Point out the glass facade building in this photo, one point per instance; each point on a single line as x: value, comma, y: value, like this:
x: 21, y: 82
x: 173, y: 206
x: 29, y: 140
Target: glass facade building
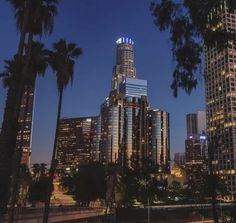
x: 123, y: 136
x: 196, y: 123
x: 159, y: 138
x: 133, y: 88
x: 110, y: 134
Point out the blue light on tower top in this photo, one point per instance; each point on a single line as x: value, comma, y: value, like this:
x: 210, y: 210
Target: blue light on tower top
x: 125, y: 40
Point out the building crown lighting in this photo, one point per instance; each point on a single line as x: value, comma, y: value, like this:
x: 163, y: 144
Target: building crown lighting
x: 125, y: 40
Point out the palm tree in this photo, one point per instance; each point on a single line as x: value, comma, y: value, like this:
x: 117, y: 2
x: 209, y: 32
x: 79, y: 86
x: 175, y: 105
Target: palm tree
x: 62, y: 60
x: 39, y: 170
x: 33, y: 17
x: 36, y: 171
x: 36, y: 67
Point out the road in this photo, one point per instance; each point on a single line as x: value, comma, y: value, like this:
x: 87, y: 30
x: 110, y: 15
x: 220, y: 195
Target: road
x: 59, y: 214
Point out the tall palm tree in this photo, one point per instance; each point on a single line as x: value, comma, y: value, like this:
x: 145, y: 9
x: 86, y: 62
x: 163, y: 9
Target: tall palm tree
x: 62, y: 60
x: 36, y: 67
x: 33, y: 17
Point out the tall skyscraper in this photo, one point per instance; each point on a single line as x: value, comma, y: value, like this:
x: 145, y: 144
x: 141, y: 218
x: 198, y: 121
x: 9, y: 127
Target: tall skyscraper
x: 124, y: 62
x: 123, y: 131
x: 196, y: 123
x: 220, y: 83
x: 196, y: 142
x: 76, y: 142
x: 24, y: 137
x: 109, y: 145
x: 123, y: 137
x: 196, y: 150
x: 133, y: 93
x: 159, y: 138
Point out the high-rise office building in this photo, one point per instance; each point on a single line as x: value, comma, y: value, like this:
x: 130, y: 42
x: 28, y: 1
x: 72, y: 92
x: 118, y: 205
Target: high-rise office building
x: 196, y: 142
x: 123, y: 135
x: 220, y: 83
x: 196, y: 123
x: 109, y: 145
x: 76, y: 142
x: 196, y: 150
x: 123, y: 130
x: 133, y: 93
x: 124, y: 62
x: 24, y: 137
x: 159, y: 138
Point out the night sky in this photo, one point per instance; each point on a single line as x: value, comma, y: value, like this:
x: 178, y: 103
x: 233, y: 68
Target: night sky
x: 95, y: 25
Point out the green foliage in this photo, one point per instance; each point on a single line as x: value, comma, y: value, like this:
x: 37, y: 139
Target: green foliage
x: 38, y: 186
x: 12, y: 68
x: 40, y: 12
x: 39, y: 170
x: 88, y: 184
x: 38, y: 190
x: 140, y: 184
x: 62, y: 60
x: 192, y: 23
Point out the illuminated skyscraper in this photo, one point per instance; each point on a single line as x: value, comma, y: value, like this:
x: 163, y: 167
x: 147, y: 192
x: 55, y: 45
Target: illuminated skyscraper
x: 76, y: 142
x: 123, y: 135
x: 220, y: 83
x: 134, y: 97
x: 159, y: 138
x: 196, y: 142
x: 123, y: 115
x: 124, y: 62
x: 110, y: 133
x: 24, y: 137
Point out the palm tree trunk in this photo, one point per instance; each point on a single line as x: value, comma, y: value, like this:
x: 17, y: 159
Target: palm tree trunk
x: 20, y: 50
x: 18, y: 152
x: 9, y: 126
x: 18, y: 161
x: 53, y: 163
x: 8, y: 142
x: 9, y: 131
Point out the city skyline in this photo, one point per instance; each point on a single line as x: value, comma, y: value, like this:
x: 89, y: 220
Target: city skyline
x: 155, y: 48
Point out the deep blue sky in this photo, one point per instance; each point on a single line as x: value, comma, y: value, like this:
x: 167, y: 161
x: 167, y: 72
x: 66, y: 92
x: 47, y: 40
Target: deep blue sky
x: 95, y: 26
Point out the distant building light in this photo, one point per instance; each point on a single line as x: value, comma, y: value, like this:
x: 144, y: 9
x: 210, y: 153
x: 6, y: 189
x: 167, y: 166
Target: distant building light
x: 190, y: 137
x: 202, y: 137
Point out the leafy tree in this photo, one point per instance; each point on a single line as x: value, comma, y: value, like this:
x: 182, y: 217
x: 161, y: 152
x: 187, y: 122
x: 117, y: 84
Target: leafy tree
x: 39, y: 170
x: 62, y: 61
x: 140, y: 184
x: 38, y: 185
x: 191, y: 24
x: 38, y: 190
x: 88, y: 184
